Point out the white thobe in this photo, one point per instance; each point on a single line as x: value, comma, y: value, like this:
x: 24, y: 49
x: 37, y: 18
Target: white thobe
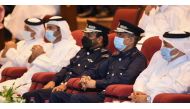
x: 164, y: 77
x: 59, y: 56
x: 19, y: 57
x: 164, y: 19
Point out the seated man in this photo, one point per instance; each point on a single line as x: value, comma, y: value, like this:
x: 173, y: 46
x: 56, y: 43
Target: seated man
x: 168, y: 71
x: 17, y: 54
x: 58, y: 54
x: 94, y: 42
x: 122, y: 68
x: 156, y: 20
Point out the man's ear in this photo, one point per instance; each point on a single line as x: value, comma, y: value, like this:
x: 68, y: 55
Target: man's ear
x: 132, y: 40
x: 100, y: 39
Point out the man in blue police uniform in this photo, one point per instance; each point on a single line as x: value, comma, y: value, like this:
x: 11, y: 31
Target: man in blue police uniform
x: 122, y: 68
x: 94, y: 42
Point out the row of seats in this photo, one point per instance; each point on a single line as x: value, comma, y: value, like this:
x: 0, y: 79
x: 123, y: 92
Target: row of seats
x: 119, y: 92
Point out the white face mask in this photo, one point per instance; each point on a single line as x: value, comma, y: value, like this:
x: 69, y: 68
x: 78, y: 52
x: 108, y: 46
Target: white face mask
x: 26, y: 35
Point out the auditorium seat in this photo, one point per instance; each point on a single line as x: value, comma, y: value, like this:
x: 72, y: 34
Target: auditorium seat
x: 40, y: 79
x: 121, y: 92
x: 12, y: 73
x: 77, y: 35
x: 150, y: 46
x: 118, y: 92
x: 172, y: 98
x: 128, y: 14
x: 111, y: 46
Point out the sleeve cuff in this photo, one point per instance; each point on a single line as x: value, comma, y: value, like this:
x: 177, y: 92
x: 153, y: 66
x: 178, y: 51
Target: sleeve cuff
x: 100, y: 84
x: 11, y: 53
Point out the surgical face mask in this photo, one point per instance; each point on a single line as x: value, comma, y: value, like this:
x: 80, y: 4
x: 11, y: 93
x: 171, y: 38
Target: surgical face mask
x: 26, y: 35
x: 118, y: 43
x: 166, y: 53
x: 87, y: 43
x: 49, y: 36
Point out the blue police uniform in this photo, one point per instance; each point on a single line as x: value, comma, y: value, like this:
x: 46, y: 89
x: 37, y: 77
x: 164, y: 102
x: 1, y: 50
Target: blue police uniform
x: 120, y: 69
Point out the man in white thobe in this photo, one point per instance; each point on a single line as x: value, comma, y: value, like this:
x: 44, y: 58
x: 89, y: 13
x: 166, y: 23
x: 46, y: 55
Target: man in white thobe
x: 156, y: 20
x: 168, y: 71
x: 17, y: 54
x: 15, y: 21
x: 62, y: 50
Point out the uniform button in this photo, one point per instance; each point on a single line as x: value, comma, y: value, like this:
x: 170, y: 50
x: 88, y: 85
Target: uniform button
x: 70, y: 73
x: 120, y: 59
x: 78, y: 64
x: 113, y: 74
x: 85, y: 66
x: 108, y: 73
x: 121, y: 73
x: 88, y: 53
x: 78, y: 56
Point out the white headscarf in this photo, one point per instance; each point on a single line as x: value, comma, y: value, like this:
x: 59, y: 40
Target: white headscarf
x: 182, y: 44
x: 39, y: 29
x: 64, y: 27
x: 16, y: 21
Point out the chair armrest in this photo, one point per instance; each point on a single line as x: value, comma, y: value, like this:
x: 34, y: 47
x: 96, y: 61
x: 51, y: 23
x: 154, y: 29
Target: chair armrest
x: 118, y: 92
x: 40, y: 79
x: 12, y: 73
x: 172, y: 98
x: 43, y: 77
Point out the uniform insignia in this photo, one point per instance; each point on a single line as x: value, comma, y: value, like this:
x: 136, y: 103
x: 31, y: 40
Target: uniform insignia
x: 105, y: 56
x: 96, y: 49
x: 103, y: 50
